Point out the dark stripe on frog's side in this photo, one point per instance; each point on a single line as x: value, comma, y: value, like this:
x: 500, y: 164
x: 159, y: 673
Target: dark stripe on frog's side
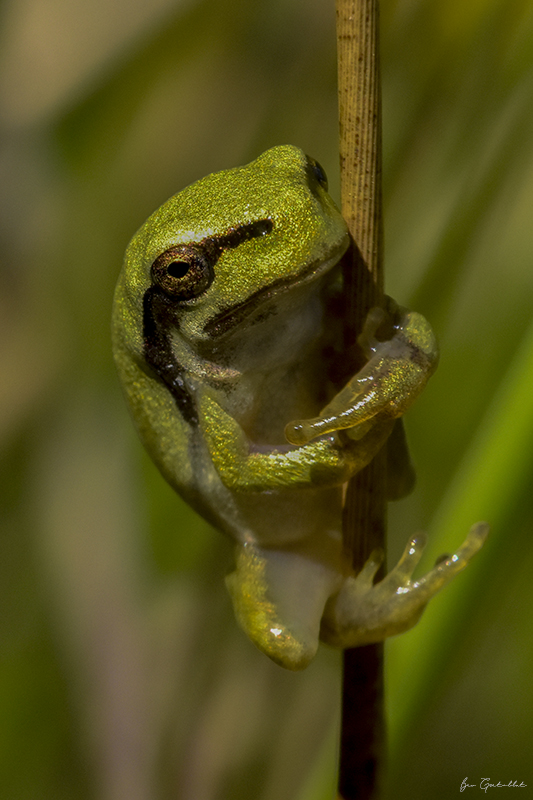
x: 159, y: 318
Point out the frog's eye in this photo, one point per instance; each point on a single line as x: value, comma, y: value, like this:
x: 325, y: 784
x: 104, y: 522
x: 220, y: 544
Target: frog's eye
x: 183, y: 272
x: 318, y: 172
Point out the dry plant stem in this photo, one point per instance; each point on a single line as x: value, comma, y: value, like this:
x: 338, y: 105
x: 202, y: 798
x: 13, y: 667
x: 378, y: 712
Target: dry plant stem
x: 362, y: 727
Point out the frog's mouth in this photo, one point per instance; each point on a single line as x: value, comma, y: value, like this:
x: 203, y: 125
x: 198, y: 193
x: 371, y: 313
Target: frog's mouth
x: 229, y: 318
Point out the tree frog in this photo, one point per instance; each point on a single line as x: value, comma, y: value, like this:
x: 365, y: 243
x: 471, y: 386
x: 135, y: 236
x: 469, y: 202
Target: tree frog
x: 223, y: 311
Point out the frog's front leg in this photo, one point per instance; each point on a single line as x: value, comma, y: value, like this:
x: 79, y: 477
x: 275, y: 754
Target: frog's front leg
x: 387, y: 385
x: 363, y: 612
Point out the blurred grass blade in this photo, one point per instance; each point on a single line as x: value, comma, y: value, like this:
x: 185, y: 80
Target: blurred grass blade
x: 493, y: 474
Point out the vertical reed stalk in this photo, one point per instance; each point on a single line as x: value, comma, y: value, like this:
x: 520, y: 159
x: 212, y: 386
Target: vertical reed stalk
x: 362, y: 727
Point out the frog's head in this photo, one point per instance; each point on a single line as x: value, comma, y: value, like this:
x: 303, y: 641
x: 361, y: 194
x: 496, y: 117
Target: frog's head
x: 217, y: 251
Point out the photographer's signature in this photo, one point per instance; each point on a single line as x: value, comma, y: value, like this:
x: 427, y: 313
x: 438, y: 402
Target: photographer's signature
x: 485, y: 784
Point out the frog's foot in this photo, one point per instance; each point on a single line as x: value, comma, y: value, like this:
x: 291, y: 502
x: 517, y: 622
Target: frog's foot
x: 279, y: 598
x: 363, y: 612
x: 397, y: 371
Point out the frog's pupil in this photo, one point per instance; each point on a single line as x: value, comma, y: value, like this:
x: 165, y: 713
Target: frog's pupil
x: 178, y: 269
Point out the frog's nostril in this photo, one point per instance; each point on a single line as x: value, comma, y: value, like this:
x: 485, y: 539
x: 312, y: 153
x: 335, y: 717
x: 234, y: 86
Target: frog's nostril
x: 316, y: 174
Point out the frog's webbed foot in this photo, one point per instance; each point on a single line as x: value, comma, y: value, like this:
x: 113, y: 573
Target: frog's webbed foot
x: 363, y: 612
x: 395, y: 374
x: 279, y: 598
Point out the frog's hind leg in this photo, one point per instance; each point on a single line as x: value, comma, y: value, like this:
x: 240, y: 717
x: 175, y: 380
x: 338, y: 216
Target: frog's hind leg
x: 279, y: 598
x: 363, y: 612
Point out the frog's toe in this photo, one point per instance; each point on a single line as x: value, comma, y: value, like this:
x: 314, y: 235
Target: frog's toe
x: 362, y: 613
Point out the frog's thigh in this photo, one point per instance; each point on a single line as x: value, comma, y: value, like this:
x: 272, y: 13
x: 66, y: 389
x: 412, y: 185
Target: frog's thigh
x: 279, y: 598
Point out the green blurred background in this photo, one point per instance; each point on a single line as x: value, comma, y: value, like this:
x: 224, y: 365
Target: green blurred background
x: 122, y: 673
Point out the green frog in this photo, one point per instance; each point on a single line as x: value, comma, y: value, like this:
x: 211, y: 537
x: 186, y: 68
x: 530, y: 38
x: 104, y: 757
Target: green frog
x: 222, y: 315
